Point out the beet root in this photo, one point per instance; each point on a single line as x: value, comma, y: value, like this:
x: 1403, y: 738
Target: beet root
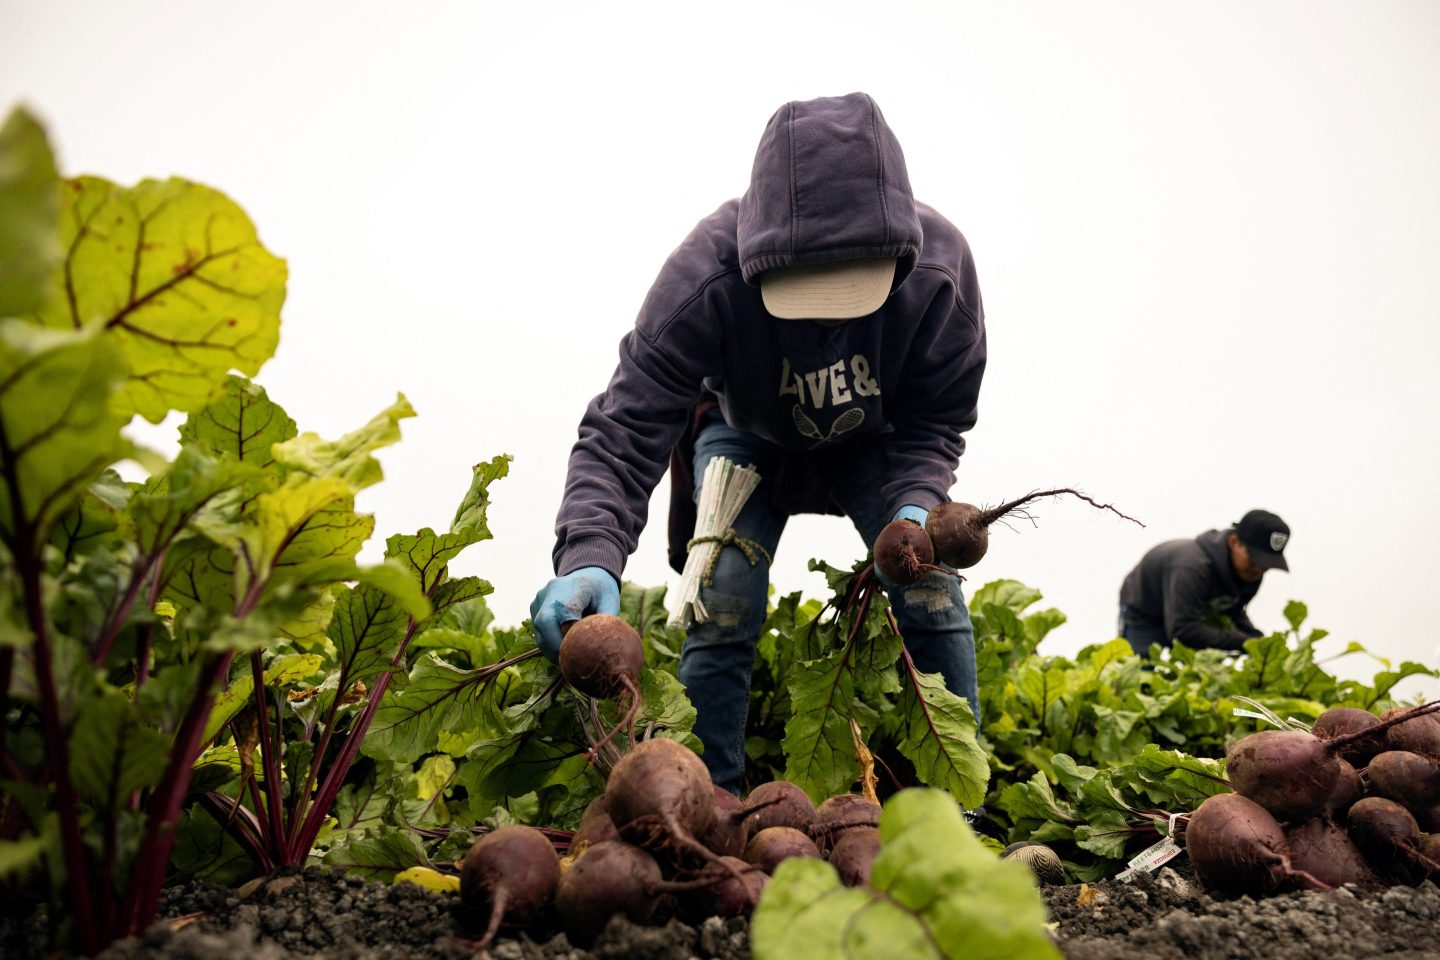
x: 1344, y: 721
x: 602, y: 656
x: 1237, y: 846
x: 1325, y: 851
x: 508, y: 878
x: 774, y: 845
x: 1389, y: 837
x: 730, y: 887
x: 786, y: 806
x: 1348, y: 788
x: 1290, y: 773
x: 726, y: 833
x: 609, y: 878
x: 842, y: 812
x: 1411, y: 780
x: 854, y: 854
x: 903, y: 553
x: 1417, y: 735
x: 660, y: 798
x: 961, y: 531
x: 960, y: 539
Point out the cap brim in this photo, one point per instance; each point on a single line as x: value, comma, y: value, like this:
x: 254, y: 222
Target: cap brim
x: 1268, y: 561
x: 828, y: 291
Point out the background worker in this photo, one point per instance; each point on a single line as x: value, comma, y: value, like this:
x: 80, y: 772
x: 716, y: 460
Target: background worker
x: 1195, y: 591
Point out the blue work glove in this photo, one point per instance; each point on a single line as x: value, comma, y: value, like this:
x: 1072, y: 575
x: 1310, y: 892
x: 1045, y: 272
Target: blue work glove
x: 911, y: 512
x: 580, y: 592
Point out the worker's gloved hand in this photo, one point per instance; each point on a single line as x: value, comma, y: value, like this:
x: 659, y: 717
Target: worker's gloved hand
x: 578, y: 593
x: 911, y: 512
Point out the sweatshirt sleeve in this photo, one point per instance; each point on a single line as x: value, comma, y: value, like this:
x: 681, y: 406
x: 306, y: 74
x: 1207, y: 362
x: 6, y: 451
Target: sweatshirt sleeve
x: 941, y: 389
x: 628, y: 431
x: 1185, y: 612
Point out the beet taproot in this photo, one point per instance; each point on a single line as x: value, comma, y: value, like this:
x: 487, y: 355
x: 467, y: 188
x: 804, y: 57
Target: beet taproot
x: 1344, y: 721
x: 960, y: 532
x: 778, y: 803
x: 1237, y: 846
x: 660, y: 798
x: 1389, y: 837
x: 842, y: 812
x: 1324, y: 849
x: 610, y: 878
x: 774, y: 845
x: 729, y: 887
x: 726, y: 834
x: 1349, y: 787
x: 602, y: 656
x: 1411, y: 780
x: 903, y: 552
x: 1417, y: 735
x: 508, y: 879
x: 854, y: 853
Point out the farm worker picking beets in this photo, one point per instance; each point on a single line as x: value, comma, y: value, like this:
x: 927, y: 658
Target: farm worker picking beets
x: 1196, y: 591
x: 826, y: 329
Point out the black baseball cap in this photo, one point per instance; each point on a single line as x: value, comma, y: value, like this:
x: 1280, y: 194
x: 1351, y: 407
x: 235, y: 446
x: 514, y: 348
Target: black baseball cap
x: 1265, y: 536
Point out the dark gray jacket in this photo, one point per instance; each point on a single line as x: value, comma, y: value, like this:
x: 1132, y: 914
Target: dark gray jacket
x: 1187, y: 585
x: 829, y: 183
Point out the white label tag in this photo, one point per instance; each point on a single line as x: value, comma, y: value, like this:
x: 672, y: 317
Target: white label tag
x: 1150, y: 859
x: 1241, y: 712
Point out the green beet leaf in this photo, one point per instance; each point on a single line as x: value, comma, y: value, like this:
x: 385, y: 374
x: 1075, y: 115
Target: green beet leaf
x: 935, y: 891
x: 173, y: 274
x: 939, y: 737
x: 377, y: 853
x: 114, y: 751
x: 30, y: 247
x: 59, y: 426
x: 242, y: 423
x: 348, y: 458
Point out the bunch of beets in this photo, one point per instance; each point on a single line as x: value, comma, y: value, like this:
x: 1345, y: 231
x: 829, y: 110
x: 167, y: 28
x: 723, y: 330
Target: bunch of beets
x: 662, y: 841
x: 1354, y: 800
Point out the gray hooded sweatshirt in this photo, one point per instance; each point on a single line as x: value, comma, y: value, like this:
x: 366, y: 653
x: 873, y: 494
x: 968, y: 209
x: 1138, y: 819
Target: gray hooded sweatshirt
x: 901, y: 384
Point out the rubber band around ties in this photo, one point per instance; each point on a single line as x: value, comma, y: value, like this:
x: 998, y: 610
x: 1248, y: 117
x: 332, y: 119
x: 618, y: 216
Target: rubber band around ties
x: 752, y: 550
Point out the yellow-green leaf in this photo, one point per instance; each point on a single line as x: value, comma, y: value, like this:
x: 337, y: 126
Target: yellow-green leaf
x: 29, y: 215
x: 173, y: 273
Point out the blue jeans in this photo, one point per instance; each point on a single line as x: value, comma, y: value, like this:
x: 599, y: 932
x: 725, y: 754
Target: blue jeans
x: 718, y: 658
x: 1141, y: 632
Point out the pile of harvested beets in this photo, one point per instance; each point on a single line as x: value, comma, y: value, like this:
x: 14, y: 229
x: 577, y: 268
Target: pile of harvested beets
x: 1355, y: 799
x: 662, y: 840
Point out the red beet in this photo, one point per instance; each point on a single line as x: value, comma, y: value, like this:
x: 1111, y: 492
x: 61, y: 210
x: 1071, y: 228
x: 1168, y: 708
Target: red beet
x: 1237, y: 846
x: 508, y: 878
x: 1326, y: 852
x: 1348, y: 788
x: 842, y: 812
x: 787, y: 806
x: 727, y: 888
x: 854, y: 854
x: 1418, y: 735
x: 1407, y: 778
x: 660, y: 798
x: 602, y: 656
x: 774, y: 845
x: 1344, y: 721
x: 609, y: 878
x: 903, y: 553
x: 1389, y: 837
x: 726, y: 833
x: 961, y: 531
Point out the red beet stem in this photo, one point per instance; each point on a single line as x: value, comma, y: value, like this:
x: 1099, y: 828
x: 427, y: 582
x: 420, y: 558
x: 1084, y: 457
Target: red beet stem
x: 987, y: 517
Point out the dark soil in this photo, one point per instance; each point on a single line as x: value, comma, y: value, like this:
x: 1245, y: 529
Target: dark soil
x: 319, y: 914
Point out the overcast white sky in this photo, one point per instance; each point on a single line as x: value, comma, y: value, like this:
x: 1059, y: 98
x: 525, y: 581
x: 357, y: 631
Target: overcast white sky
x: 1207, y: 238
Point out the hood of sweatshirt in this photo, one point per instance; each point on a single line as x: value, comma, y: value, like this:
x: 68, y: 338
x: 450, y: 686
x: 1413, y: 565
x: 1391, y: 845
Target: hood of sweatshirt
x: 828, y: 184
